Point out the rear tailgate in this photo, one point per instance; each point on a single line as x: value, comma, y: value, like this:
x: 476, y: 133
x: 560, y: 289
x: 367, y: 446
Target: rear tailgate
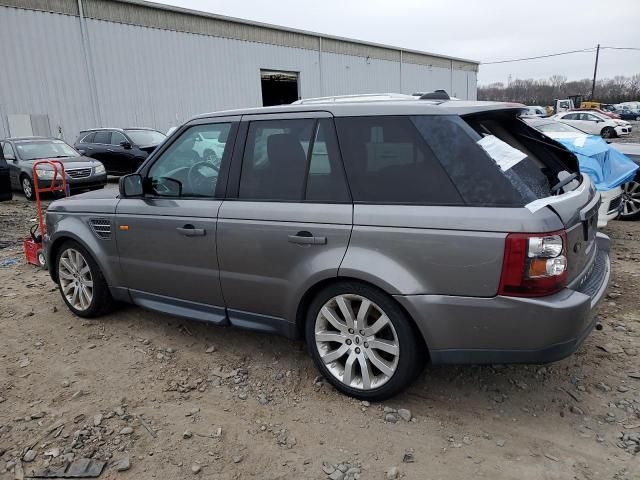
x: 536, y: 176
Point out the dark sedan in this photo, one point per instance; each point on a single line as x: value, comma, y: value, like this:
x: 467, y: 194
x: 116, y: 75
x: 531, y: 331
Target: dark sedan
x: 628, y: 114
x: 21, y: 153
x: 121, y: 150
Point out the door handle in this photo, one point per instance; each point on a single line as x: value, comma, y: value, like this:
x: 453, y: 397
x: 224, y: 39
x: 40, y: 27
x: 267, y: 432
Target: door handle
x: 110, y: 150
x: 190, y: 231
x: 307, y: 238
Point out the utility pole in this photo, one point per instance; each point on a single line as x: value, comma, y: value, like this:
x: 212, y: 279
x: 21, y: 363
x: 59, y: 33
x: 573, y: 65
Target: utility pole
x: 595, y: 72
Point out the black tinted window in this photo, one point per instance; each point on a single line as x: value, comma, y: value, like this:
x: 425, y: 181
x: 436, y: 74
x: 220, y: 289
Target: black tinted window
x: 387, y: 161
x: 102, y: 137
x: 477, y: 177
x: 87, y: 138
x: 117, y: 138
x: 292, y: 160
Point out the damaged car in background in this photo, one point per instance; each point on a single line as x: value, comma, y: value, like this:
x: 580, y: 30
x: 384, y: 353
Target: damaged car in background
x: 608, y: 168
x: 384, y: 233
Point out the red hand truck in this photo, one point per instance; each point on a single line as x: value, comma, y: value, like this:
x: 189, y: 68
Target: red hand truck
x: 32, y: 246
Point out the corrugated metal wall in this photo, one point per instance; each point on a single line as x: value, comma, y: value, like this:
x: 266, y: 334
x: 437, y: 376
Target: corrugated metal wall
x: 160, y: 77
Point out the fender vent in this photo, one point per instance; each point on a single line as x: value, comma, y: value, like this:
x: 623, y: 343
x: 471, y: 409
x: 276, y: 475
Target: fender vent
x: 101, y: 227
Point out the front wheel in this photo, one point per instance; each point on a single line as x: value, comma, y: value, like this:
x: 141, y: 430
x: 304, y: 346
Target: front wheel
x: 80, y: 281
x: 631, y: 200
x: 362, y: 341
x: 608, y: 132
x: 27, y: 187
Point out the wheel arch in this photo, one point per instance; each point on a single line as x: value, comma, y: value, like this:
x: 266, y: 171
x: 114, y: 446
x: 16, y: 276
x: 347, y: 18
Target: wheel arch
x: 317, y: 287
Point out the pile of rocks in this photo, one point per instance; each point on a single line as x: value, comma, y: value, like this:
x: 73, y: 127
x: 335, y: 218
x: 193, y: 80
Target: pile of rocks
x: 342, y: 471
x: 629, y: 441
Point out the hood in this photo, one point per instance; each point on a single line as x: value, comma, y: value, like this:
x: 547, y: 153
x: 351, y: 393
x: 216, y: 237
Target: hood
x: 68, y: 162
x: 148, y: 148
x: 98, y: 202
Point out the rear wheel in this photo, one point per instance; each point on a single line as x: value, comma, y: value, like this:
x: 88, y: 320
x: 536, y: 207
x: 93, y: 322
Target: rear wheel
x: 608, y: 132
x: 362, y: 341
x: 80, y: 281
x: 631, y: 200
x: 27, y: 187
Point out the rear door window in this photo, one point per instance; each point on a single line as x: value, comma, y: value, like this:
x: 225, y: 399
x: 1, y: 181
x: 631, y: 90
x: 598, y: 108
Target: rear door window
x: 102, y: 137
x: 88, y: 138
x: 292, y: 160
x: 388, y: 161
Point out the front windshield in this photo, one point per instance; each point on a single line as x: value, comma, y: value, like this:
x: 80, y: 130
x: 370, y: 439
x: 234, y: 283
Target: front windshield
x: 39, y: 149
x: 557, y: 127
x: 145, y: 137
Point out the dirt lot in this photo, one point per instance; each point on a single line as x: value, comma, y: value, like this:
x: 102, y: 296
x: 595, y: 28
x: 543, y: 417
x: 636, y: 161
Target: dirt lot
x: 218, y: 403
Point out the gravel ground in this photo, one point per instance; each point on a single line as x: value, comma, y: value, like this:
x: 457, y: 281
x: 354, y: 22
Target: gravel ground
x: 160, y: 397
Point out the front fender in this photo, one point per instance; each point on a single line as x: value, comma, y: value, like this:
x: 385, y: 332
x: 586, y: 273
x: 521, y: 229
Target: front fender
x: 76, y: 227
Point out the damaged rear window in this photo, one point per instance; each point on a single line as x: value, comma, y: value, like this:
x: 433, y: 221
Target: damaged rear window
x: 495, y: 159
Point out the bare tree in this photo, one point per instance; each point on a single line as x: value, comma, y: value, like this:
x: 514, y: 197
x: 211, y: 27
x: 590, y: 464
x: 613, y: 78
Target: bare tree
x: 544, y: 92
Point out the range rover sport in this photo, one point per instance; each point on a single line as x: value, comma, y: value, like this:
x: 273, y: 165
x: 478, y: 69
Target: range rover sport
x: 384, y: 233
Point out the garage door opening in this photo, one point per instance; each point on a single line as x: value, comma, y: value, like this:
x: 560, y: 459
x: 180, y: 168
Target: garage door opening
x: 278, y: 88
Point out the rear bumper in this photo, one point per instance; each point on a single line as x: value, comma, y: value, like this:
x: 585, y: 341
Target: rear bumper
x: 464, y: 330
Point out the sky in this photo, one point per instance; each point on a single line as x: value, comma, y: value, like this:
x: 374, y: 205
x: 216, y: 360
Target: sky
x: 487, y: 30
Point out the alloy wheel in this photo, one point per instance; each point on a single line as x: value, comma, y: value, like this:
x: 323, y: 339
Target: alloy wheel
x: 26, y: 187
x: 75, y: 278
x: 630, y: 198
x: 357, y: 341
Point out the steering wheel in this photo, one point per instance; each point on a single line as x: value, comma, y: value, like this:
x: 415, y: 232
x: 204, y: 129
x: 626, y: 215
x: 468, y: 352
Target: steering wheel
x: 563, y: 182
x: 196, y: 181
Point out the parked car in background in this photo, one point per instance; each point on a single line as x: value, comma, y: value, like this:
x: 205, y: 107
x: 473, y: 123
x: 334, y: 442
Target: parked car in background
x: 606, y: 113
x: 5, y: 180
x: 595, y: 123
x: 629, y: 114
x: 606, y: 166
x: 21, y: 153
x: 535, y: 111
x: 631, y: 189
x: 121, y: 150
x: 383, y: 232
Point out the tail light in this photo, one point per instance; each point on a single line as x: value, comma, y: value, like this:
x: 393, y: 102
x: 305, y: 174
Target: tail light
x: 534, y: 264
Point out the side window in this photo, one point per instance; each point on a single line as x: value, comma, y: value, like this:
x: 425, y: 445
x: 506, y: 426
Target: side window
x: 183, y: 171
x: 87, y: 138
x: 102, y: 137
x: 7, y: 150
x: 117, y: 138
x: 388, y: 161
x: 292, y: 160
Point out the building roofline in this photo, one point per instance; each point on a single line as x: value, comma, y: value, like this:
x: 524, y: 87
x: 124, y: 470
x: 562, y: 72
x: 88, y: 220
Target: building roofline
x: 199, y: 13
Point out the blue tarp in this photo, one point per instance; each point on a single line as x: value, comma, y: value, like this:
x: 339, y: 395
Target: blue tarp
x: 607, y: 167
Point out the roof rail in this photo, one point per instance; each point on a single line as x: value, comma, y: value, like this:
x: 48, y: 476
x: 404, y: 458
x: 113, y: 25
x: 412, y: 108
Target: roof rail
x: 364, y: 97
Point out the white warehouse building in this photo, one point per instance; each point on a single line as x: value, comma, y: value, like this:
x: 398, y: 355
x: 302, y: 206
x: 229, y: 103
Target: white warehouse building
x: 68, y: 65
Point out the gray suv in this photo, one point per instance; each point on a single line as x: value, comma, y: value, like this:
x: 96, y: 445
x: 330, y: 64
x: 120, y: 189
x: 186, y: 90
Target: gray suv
x: 384, y: 233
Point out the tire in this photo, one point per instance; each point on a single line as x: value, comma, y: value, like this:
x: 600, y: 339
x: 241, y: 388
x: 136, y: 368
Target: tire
x: 100, y: 301
x: 631, y: 200
x: 608, y: 132
x: 329, y: 336
x: 27, y: 187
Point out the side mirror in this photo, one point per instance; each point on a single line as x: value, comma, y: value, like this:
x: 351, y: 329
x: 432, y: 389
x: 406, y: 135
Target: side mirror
x: 10, y: 157
x: 126, y: 145
x: 131, y: 186
x: 81, y: 151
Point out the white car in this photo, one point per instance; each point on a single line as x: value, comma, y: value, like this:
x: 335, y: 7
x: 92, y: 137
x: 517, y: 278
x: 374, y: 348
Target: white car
x: 610, y: 200
x: 534, y: 111
x: 595, y: 123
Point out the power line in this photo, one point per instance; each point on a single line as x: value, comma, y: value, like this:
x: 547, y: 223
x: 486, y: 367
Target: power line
x: 585, y: 50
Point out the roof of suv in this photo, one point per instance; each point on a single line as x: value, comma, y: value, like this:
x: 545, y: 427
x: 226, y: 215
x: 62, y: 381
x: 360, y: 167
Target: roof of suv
x: 20, y: 139
x: 389, y: 106
x: 117, y: 128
